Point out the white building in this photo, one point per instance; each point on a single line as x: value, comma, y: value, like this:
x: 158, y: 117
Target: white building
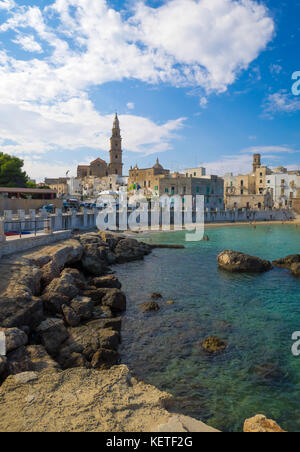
x: 74, y: 186
x: 284, y: 187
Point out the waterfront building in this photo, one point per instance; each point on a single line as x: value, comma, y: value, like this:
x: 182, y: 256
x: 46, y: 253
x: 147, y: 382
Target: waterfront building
x: 285, y: 186
x: 249, y: 190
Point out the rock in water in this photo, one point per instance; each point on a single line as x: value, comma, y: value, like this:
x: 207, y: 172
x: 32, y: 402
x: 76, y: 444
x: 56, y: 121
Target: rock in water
x: 150, y: 306
x: 260, y: 424
x: 233, y: 261
x: 213, y: 344
x: 156, y: 296
x: 295, y: 269
x: 288, y: 261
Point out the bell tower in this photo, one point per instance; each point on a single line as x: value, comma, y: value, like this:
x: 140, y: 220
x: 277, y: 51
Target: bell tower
x: 256, y: 162
x: 116, y: 165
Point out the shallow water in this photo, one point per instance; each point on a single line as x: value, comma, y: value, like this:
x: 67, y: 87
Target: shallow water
x: 255, y: 314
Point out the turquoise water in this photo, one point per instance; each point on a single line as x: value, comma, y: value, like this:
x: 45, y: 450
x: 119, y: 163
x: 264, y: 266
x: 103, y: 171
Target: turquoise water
x: 255, y: 314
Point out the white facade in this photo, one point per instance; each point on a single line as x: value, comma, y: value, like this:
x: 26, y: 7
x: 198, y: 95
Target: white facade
x: 284, y: 188
x: 74, y: 186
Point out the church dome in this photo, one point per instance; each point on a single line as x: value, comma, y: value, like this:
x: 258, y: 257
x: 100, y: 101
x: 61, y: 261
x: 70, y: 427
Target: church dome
x: 158, y: 165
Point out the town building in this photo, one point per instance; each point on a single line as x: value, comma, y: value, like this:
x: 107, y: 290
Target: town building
x: 157, y: 182
x: 195, y: 172
x: 285, y: 186
x: 249, y: 190
x: 99, y: 168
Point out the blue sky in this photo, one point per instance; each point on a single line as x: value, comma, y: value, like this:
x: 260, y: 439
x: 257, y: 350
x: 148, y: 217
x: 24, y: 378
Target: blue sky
x: 195, y: 82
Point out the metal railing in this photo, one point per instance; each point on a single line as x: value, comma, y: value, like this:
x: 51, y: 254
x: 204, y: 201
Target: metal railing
x: 23, y: 227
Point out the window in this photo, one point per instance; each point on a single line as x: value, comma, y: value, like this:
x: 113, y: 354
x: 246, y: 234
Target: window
x: 242, y: 183
x: 207, y: 190
x: 261, y: 174
x: 198, y: 190
x: 242, y: 192
x: 149, y: 183
x: 166, y: 190
x: 261, y: 181
x: 268, y: 182
x: 195, y: 174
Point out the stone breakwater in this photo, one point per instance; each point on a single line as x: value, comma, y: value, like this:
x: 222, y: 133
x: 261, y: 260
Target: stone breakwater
x: 61, y: 308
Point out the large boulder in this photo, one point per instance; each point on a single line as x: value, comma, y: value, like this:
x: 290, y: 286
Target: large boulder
x: 50, y: 271
x: 260, y: 424
x: 60, y: 291
x: 52, y: 333
x: 14, y: 338
x: 109, y: 281
x: 70, y: 316
x: 31, y: 358
x: 94, y: 260
x: 63, y: 254
x: 127, y: 250
x: 111, y: 239
x: 233, y: 261
x: 87, y: 340
x: 78, y: 277
x: 287, y: 261
x: 20, y: 310
x: 83, y: 307
x: 115, y: 299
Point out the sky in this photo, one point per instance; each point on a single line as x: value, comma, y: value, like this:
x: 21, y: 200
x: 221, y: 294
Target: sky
x: 195, y: 83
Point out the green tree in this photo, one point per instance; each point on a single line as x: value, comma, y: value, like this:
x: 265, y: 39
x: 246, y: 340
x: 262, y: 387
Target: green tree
x: 11, y: 173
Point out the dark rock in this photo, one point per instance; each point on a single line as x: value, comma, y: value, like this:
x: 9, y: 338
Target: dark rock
x: 128, y: 250
x: 114, y: 299
x: 102, y: 312
x: 233, y: 261
x: 83, y: 307
x: 104, y: 359
x: 31, y: 358
x: 22, y: 310
x: 78, y: 277
x: 287, y: 261
x: 76, y: 360
x: 50, y: 271
x: 94, y: 259
x: 213, y: 344
x: 87, y: 339
x: 156, y: 296
x: 95, y: 294
x: 70, y: 316
x: 109, y: 281
x: 59, y: 292
x: 3, y: 366
x: 111, y: 239
x: 295, y: 269
x: 114, y: 323
x: 52, y: 333
x: 14, y: 338
x: 150, y: 306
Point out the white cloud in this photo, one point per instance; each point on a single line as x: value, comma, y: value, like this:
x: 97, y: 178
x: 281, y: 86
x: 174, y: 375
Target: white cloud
x: 28, y: 43
x: 130, y: 105
x: 194, y: 43
x: 269, y: 149
x: 280, y: 102
x: 7, y: 4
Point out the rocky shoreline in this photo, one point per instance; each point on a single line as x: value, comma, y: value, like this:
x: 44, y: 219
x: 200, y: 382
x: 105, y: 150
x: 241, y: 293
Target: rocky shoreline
x: 60, y: 312
x: 63, y: 309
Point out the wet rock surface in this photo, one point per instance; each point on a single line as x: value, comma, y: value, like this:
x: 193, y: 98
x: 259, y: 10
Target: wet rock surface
x: 150, y: 306
x: 260, y: 424
x: 233, y: 261
x: 213, y: 344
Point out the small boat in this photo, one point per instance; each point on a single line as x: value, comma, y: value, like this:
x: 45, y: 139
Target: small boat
x: 13, y: 233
